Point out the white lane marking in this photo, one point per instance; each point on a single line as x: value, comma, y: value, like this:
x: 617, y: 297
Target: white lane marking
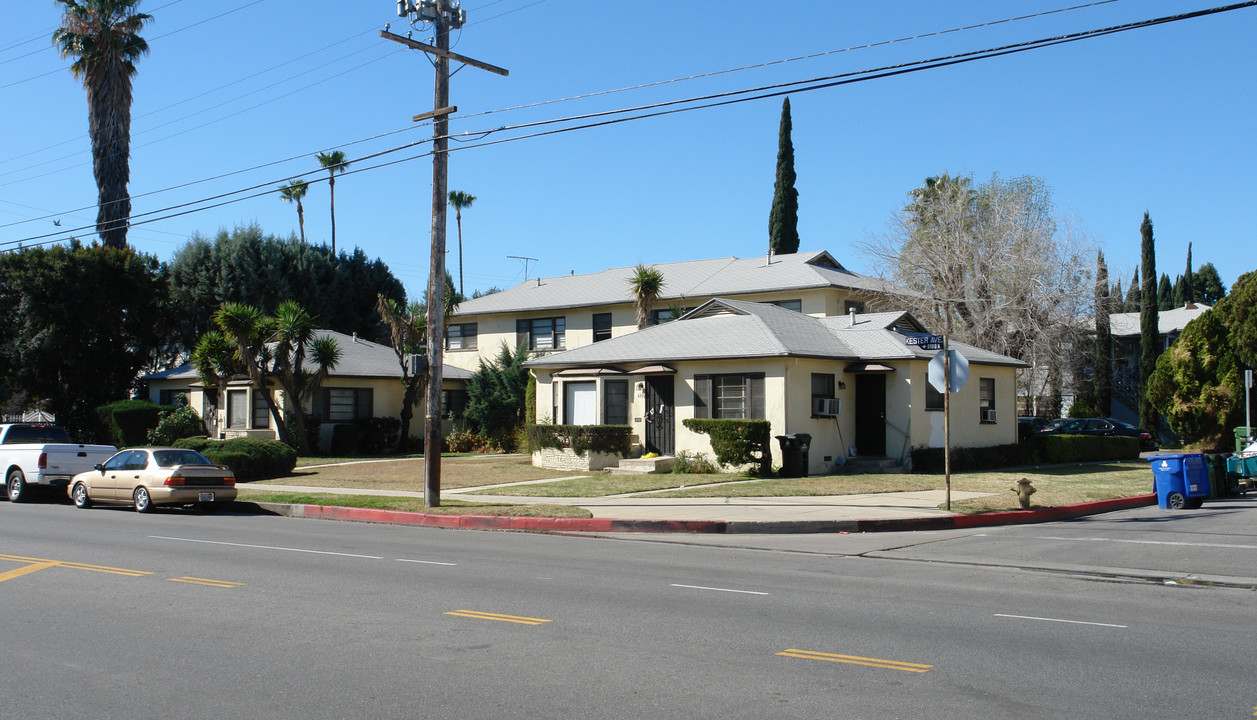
x: 701, y: 587
x: 426, y: 562
x: 267, y: 547
x: 1155, y: 542
x: 1058, y: 620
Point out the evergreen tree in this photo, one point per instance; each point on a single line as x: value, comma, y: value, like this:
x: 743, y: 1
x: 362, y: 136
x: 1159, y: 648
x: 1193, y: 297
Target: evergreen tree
x: 783, y: 219
x: 1149, y: 334
x: 496, y: 397
x: 1209, y: 287
x: 1103, y: 376
x: 1133, y: 294
x: 1165, y: 293
x: 1190, y: 295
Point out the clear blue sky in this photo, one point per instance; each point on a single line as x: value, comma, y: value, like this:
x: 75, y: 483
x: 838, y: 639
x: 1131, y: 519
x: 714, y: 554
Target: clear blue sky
x: 1157, y: 119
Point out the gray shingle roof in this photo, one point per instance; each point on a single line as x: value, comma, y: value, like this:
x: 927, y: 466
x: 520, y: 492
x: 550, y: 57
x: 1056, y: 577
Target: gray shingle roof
x: 720, y: 277
x: 729, y: 329
x: 1168, y: 321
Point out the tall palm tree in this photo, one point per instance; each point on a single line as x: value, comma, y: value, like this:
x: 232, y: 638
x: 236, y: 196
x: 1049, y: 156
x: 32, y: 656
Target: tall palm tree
x: 293, y: 192
x: 333, y: 162
x: 460, y: 200
x: 645, y: 283
x: 103, y: 38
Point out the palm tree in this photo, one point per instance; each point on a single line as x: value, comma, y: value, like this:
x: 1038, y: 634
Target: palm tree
x: 645, y: 283
x: 293, y: 192
x: 333, y: 162
x: 103, y: 38
x: 460, y: 200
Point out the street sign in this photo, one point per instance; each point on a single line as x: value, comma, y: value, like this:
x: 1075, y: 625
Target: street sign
x: 959, y: 371
x: 926, y: 342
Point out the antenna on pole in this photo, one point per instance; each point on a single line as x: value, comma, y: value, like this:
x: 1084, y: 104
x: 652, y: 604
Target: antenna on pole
x: 526, y: 261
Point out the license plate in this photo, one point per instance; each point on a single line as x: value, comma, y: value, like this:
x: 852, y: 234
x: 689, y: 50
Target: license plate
x: 206, y: 497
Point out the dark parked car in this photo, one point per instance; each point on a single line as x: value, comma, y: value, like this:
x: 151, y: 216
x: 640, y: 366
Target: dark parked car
x: 1028, y: 426
x: 1105, y: 427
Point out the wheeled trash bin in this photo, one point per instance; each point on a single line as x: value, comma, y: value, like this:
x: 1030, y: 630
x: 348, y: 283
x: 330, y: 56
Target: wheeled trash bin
x: 1181, y: 481
x: 794, y: 454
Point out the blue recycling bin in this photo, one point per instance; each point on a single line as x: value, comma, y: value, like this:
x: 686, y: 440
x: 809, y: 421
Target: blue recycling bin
x: 1181, y: 481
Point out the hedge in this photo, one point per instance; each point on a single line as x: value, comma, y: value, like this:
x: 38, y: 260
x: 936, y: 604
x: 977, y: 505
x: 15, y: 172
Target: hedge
x: 1039, y: 450
x: 126, y: 423
x: 249, y: 458
x: 737, y: 442
x: 611, y: 439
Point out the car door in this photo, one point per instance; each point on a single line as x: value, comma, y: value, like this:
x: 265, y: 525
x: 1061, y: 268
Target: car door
x: 104, y: 485
x: 132, y: 476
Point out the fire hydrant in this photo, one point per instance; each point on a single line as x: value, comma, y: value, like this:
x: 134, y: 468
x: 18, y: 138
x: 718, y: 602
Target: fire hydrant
x: 1024, y: 490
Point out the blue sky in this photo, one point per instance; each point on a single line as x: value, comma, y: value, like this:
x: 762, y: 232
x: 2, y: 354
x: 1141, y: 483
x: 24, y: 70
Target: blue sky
x: 244, y: 93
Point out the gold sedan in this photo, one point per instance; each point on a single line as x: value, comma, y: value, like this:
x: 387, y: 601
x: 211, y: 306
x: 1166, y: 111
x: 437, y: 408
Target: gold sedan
x: 148, y: 477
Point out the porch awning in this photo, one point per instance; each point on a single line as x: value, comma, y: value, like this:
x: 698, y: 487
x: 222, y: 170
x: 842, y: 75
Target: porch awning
x: 869, y: 367
x: 653, y: 370
x: 584, y: 372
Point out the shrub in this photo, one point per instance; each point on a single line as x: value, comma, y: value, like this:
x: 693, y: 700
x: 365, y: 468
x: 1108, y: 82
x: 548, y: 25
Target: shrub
x: 345, y: 437
x: 1052, y: 449
x: 126, y: 423
x: 379, y: 435
x: 695, y: 463
x: 969, y: 459
x: 1082, y: 408
x: 737, y: 442
x: 612, y: 439
x: 249, y: 458
x: 464, y: 441
x: 1040, y: 449
x: 178, y: 422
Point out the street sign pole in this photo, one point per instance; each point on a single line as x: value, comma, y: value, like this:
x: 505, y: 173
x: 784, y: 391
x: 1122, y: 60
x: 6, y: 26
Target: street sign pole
x: 1248, y: 405
x: 947, y: 409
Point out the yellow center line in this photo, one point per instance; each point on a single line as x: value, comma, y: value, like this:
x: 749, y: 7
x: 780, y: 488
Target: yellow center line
x: 44, y: 563
x: 207, y: 581
x: 497, y: 616
x: 19, y: 572
x: 856, y: 660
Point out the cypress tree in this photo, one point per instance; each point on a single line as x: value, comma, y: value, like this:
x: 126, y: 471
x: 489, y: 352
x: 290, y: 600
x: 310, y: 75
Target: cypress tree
x: 1149, y: 335
x: 1189, y: 281
x: 1104, y: 341
x: 783, y: 219
x: 1165, y: 293
x: 1133, y: 294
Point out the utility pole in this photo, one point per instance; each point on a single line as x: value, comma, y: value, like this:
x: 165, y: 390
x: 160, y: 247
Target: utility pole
x: 443, y: 15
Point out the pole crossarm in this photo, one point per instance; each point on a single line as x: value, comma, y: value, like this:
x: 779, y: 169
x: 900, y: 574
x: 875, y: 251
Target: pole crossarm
x: 443, y: 53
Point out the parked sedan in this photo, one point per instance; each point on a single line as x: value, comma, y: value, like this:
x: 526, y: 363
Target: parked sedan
x: 1103, y: 426
x: 148, y: 477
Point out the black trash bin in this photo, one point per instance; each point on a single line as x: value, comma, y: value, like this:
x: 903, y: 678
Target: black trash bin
x: 1220, y: 484
x: 794, y: 458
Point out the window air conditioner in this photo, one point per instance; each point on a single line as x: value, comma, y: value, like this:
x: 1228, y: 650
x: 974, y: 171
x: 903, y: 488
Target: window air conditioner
x: 827, y: 407
x: 988, y: 415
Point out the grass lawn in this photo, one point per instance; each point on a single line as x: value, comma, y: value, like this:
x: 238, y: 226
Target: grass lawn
x: 457, y: 471
x: 376, y: 502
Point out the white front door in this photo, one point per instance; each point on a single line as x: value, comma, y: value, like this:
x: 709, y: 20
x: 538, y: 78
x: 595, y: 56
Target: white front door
x: 580, y: 403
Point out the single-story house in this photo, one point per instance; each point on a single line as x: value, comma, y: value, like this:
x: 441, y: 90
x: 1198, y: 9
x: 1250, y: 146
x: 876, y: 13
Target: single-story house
x: 365, y: 383
x: 853, y: 382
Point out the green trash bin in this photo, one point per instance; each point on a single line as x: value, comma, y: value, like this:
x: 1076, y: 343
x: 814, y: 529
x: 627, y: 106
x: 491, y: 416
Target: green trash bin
x: 1241, y: 435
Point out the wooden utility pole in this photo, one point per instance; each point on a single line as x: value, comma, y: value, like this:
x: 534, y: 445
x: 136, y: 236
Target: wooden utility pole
x: 443, y: 16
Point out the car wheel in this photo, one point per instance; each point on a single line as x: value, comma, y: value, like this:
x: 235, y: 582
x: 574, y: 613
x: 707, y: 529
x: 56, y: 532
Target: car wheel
x: 1176, y: 501
x: 16, y: 487
x: 79, y: 495
x: 143, y: 502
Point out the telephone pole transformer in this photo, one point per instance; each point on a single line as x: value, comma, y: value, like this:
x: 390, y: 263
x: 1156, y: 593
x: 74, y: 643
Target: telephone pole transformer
x: 444, y: 15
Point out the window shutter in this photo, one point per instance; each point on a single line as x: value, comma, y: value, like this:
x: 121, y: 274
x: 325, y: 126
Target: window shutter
x: 755, y: 393
x: 362, y: 404
x: 318, y: 404
x: 702, y: 396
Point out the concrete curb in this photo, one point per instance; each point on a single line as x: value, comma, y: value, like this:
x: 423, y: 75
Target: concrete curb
x: 608, y: 525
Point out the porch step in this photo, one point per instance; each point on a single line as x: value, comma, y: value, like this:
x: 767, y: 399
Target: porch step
x: 869, y: 466
x: 638, y: 466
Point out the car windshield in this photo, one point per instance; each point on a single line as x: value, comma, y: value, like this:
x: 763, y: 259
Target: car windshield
x: 171, y: 458
x: 1121, y: 424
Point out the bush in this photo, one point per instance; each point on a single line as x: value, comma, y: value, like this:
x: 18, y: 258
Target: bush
x: 379, y: 435
x: 345, y: 437
x: 175, y: 423
x: 126, y: 423
x: 466, y: 441
x: 249, y: 458
x: 1052, y: 449
x: 695, y: 463
x: 970, y: 459
x: 1038, y: 450
x: 1082, y: 408
x: 737, y: 442
x: 611, y: 439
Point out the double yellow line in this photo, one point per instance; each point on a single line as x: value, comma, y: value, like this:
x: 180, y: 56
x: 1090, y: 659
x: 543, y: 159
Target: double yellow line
x: 478, y: 615
x: 34, y: 564
x: 207, y: 581
x: 856, y: 660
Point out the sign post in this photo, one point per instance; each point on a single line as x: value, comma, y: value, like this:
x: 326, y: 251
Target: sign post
x: 948, y: 372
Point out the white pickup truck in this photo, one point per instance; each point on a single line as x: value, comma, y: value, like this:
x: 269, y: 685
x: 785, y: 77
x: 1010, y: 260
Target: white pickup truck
x: 43, y: 455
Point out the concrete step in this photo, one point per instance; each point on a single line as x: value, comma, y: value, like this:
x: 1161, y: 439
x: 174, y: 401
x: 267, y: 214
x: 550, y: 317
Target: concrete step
x: 869, y: 466
x: 638, y: 466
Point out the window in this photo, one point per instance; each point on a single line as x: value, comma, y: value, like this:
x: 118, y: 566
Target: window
x: 542, y: 333
x: 739, y: 397
x: 795, y: 305
x: 261, y: 412
x: 933, y: 398
x: 172, y: 396
x: 849, y: 305
x: 667, y: 314
x: 343, y: 404
x: 822, y: 388
x: 453, y: 403
x: 986, y: 400
x: 580, y: 403
x: 602, y: 326
x: 238, y: 409
x: 615, y: 402
x: 460, y: 337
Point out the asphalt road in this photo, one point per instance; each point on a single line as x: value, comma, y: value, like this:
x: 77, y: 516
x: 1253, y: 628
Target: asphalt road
x: 109, y: 614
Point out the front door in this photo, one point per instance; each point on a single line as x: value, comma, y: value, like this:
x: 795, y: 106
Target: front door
x: 660, y: 432
x: 580, y: 403
x: 870, y: 415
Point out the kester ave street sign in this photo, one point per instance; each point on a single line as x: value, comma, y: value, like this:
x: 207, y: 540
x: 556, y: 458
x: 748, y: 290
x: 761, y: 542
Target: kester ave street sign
x: 926, y: 342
